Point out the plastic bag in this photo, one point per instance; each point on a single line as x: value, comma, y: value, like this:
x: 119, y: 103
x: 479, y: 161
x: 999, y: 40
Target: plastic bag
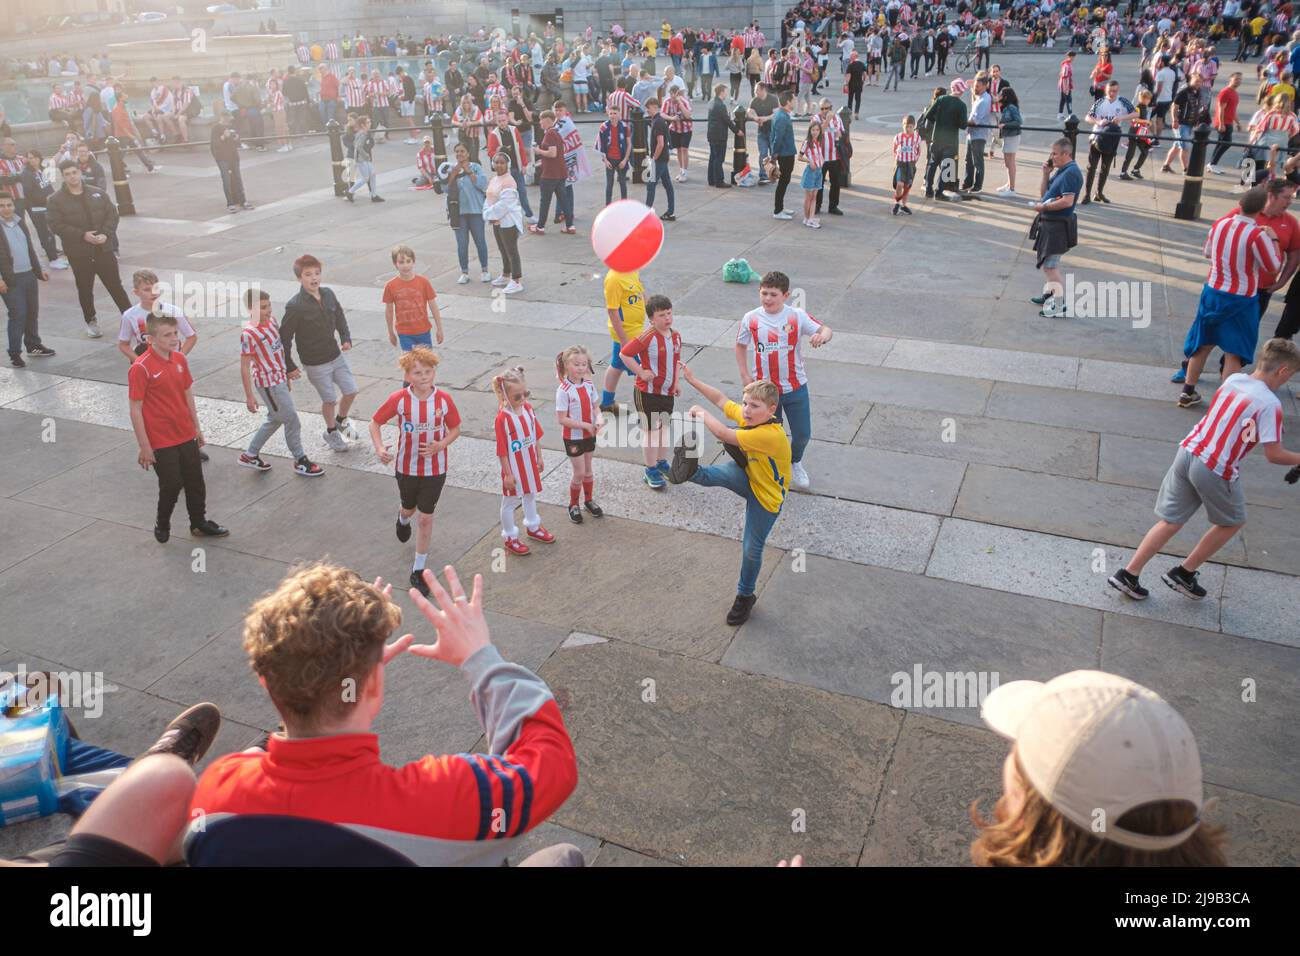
x: 737, y: 270
x: 747, y: 177
x: 33, y: 750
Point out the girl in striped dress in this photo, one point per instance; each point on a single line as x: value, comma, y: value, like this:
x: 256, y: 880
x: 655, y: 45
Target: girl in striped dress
x: 275, y: 104
x: 813, y: 153
x: 468, y: 120
x: 577, y: 409
x: 518, y: 434
x: 907, y: 149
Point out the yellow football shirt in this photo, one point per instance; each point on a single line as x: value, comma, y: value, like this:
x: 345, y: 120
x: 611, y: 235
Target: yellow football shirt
x: 768, y: 450
x: 624, y: 292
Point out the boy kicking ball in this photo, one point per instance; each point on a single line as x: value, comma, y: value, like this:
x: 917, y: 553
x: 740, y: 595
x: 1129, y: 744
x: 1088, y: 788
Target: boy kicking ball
x: 427, y: 422
x: 1245, y: 413
x: 759, y: 471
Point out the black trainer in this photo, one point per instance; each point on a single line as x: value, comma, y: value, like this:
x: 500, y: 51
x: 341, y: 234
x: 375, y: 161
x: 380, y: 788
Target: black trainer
x: 16, y: 360
x: 1127, y: 583
x: 403, y: 532
x: 1184, y: 581
x: 684, y: 464
x: 575, y: 514
x: 161, y: 534
x: 417, y: 582
x: 596, y: 510
x: 190, y: 735
x: 209, y: 529
x: 41, y: 352
x: 739, y: 612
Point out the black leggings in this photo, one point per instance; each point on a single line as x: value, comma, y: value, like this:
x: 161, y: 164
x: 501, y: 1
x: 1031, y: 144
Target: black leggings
x: 786, y: 166
x: 1094, y: 154
x: 1136, y: 145
x: 855, y: 100
x: 508, y: 243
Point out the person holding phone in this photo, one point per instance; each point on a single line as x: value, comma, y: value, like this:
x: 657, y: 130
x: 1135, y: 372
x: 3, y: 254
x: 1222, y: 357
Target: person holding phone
x: 84, y: 220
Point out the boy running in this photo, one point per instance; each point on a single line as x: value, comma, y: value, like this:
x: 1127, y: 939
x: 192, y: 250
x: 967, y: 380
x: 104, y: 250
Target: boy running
x: 263, y: 372
x: 427, y: 422
x: 759, y: 471
x: 773, y: 330
x: 1244, y: 413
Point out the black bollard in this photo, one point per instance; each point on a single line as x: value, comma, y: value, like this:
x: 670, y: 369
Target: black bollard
x: 638, y: 145
x: 1072, y: 134
x: 1189, y: 206
x: 335, y: 133
x: 439, y: 136
x: 739, y: 155
x: 121, y: 185
x: 846, y: 177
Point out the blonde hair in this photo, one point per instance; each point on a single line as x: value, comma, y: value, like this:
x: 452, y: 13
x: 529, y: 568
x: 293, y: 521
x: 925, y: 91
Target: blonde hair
x: 420, y: 355
x: 1278, y: 353
x: 511, y: 376
x: 1040, y: 835
x: 562, y: 360
x: 322, y: 627
x: 763, y: 390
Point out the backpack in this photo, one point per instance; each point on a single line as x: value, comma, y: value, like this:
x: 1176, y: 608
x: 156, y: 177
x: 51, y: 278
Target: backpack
x: 194, y: 107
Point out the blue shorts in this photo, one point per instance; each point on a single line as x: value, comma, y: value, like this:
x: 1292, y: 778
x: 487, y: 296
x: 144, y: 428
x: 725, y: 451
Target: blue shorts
x: 1229, y: 321
x: 408, y: 342
x: 616, y: 361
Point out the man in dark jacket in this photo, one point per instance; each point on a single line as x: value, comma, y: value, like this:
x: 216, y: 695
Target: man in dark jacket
x: 84, y: 220
x: 224, y: 144
x: 298, y: 102
x: 720, y: 123
x: 19, y: 272
x: 946, y: 116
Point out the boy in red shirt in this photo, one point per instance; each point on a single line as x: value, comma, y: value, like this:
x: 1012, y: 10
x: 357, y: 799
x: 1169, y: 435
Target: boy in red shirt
x: 409, y: 302
x: 166, y: 426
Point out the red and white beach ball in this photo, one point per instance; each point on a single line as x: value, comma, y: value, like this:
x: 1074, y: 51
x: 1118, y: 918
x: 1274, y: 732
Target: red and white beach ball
x: 627, y: 235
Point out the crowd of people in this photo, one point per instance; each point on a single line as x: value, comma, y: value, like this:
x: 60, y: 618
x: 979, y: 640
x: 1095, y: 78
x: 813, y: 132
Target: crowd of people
x: 1073, y: 738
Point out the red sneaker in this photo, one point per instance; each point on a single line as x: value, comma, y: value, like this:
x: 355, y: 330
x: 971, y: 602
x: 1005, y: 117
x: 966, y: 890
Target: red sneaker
x: 515, y: 546
x: 541, y: 534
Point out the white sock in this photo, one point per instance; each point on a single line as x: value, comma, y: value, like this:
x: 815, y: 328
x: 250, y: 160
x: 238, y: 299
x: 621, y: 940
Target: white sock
x: 532, y: 520
x: 403, y: 519
x: 419, y: 562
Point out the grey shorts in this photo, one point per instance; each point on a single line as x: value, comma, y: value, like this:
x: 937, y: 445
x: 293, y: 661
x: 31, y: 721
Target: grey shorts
x: 1052, y: 262
x: 1189, y: 484
x: 325, y: 377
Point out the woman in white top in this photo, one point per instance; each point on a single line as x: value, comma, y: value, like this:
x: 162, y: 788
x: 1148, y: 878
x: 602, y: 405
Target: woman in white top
x: 506, y: 215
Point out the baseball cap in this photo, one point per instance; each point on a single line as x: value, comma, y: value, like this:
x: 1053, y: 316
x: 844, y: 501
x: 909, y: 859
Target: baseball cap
x: 1089, y: 741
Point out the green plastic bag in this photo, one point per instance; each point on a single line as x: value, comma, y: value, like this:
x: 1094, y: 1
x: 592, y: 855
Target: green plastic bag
x: 737, y: 270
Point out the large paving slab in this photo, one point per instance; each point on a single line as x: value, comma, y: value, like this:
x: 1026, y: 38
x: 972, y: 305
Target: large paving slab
x: 1054, y: 451
x: 1091, y: 412
x: 906, y: 622
x: 734, y: 759
x: 29, y: 530
x: 911, y: 482
x: 40, y: 447
x: 1238, y: 696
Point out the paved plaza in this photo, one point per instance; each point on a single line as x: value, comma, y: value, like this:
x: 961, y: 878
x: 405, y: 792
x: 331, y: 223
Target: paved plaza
x: 977, y: 471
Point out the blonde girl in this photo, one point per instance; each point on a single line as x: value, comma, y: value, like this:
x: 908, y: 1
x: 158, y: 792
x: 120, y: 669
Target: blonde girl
x: 519, y: 451
x: 577, y: 409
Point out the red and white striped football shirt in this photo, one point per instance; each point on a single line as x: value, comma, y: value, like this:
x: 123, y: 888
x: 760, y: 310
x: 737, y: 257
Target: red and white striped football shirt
x: 576, y: 400
x: 262, y: 342
x: 1276, y: 121
x: 907, y: 147
x: 518, y: 434
x: 59, y: 102
x: 679, y: 112
x: 377, y: 92
x: 1065, y: 82
x: 419, y: 420
x: 625, y: 102
x: 1239, y: 252
x: 1244, y: 413
x: 331, y: 50
x: 661, y: 354
x: 832, y: 130
x: 354, y: 93
x: 426, y: 161
x: 774, y: 340
x: 814, y: 154
x: 275, y: 101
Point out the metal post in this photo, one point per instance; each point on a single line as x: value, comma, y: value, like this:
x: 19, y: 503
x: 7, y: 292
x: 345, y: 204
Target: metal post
x: 121, y: 184
x: 1189, y: 206
x: 1072, y: 134
x: 739, y: 155
x: 335, y: 132
x: 439, y: 147
x: 846, y: 178
x: 638, y: 146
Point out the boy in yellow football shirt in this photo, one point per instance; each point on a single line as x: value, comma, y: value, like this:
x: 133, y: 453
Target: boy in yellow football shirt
x: 759, y: 471
x: 625, y: 303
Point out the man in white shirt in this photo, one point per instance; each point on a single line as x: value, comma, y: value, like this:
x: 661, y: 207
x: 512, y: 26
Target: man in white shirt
x: 1166, y: 79
x: 1106, y: 116
x: 977, y: 134
x: 846, y: 51
x: 983, y: 43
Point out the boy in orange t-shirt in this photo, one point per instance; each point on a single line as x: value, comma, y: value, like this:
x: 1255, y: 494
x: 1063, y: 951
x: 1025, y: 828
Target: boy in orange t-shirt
x: 409, y: 301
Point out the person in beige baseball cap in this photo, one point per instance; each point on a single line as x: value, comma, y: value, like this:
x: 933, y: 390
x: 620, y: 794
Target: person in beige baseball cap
x: 1102, y: 772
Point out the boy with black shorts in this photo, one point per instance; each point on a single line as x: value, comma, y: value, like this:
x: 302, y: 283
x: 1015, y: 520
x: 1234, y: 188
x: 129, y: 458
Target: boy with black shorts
x: 427, y: 422
x: 1244, y: 413
x: 653, y: 358
x: 759, y: 471
x: 166, y: 425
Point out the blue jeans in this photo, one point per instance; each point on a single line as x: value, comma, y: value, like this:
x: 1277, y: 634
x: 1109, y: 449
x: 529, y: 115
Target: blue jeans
x: 758, y: 520
x: 518, y: 175
x: 661, y: 177
x: 408, y: 342
x: 763, y: 150
x: 795, y: 404
x: 23, y: 303
x: 715, y: 176
x: 563, y: 199
x: 620, y: 171
x: 471, y: 224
